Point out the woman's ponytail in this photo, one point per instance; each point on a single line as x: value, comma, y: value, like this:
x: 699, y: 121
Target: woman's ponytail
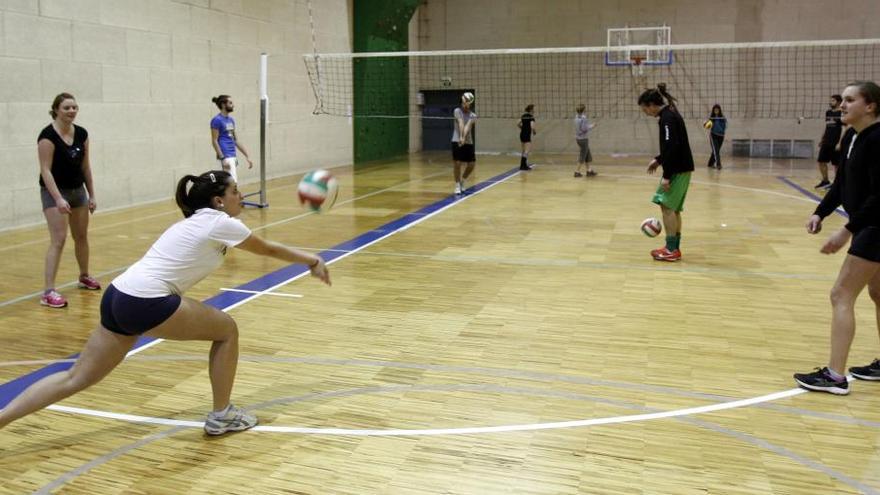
x: 204, y: 188
x: 181, y: 195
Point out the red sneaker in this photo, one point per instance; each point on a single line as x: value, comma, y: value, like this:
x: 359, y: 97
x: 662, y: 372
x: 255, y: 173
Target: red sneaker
x: 655, y: 252
x: 53, y: 299
x: 88, y: 283
x: 667, y: 255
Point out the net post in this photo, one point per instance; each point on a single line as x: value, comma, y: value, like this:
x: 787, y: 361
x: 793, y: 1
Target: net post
x: 264, y: 117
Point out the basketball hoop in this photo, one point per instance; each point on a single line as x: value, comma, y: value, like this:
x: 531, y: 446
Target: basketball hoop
x: 636, y: 65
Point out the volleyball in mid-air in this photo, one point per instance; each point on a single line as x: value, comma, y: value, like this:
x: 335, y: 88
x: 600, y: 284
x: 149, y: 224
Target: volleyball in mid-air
x: 468, y: 97
x: 707, y: 124
x: 651, y: 227
x: 317, y: 190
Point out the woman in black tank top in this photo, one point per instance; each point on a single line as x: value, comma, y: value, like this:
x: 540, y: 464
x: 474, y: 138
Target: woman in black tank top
x: 527, y: 129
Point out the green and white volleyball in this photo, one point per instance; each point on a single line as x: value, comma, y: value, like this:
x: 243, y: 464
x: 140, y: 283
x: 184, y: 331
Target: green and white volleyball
x: 468, y: 97
x: 317, y: 190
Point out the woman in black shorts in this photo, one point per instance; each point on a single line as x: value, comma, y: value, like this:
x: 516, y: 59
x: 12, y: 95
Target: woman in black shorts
x: 147, y: 299
x: 527, y: 129
x: 857, y: 187
x: 67, y: 193
x: 829, y: 149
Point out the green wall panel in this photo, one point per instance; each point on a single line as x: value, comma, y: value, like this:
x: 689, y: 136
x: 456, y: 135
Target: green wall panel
x: 381, y: 85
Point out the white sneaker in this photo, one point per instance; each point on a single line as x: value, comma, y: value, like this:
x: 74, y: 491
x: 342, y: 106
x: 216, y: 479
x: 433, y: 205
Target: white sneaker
x: 234, y: 419
x: 463, y: 184
x: 458, y: 188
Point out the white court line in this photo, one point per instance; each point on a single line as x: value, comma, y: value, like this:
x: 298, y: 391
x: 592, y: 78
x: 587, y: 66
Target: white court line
x: 126, y: 417
x: 145, y: 347
x: 262, y: 293
x: 450, y: 431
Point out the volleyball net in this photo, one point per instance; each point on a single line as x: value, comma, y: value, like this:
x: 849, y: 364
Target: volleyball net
x: 765, y: 80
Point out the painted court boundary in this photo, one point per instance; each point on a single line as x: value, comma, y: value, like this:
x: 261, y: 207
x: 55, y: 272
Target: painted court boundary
x: 452, y: 431
x: 809, y: 194
x: 228, y: 300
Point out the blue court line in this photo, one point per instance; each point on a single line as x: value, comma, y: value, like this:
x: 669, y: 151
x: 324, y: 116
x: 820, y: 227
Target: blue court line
x: 810, y: 195
x: 225, y: 299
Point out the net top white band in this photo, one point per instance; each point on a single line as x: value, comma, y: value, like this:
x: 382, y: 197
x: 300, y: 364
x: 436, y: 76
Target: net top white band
x: 602, y: 49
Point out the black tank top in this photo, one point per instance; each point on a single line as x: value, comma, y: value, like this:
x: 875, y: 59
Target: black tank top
x: 526, y: 130
x: 67, y: 159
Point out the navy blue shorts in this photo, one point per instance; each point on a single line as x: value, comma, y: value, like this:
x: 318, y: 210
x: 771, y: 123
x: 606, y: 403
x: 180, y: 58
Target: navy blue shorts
x: 866, y: 244
x: 129, y: 315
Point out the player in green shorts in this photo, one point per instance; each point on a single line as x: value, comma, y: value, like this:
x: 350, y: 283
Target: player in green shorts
x: 677, y: 161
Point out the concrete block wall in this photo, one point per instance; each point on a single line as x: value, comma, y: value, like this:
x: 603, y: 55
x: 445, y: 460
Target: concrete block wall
x: 144, y: 72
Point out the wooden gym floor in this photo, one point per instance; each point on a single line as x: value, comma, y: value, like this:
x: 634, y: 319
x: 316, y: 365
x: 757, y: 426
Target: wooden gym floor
x: 520, y: 340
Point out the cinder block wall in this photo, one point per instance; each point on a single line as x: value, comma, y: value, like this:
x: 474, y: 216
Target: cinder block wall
x: 144, y: 72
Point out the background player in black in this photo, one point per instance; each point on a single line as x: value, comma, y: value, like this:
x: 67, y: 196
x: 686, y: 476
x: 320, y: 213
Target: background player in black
x: 678, y: 163
x: 527, y: 129
x: 829, y: 150
x: 857, y: 187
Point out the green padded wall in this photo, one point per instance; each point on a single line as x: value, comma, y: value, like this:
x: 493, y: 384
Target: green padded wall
x: 381, y: 26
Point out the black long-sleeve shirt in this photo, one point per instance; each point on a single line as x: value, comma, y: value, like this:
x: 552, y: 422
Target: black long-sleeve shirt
x: 857, y: 183
x: 675, y: 151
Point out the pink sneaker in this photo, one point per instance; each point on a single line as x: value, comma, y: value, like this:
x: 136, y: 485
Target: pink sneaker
x: 88, y: 283
x: 53, y: 299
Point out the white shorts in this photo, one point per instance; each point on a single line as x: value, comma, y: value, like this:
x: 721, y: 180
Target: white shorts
x: 230, y: 164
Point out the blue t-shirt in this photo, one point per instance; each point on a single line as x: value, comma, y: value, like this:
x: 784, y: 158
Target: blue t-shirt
x: 226, y: 126
x: 719, y: 125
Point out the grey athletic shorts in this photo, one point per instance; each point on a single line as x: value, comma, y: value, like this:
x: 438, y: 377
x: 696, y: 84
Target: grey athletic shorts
x: 75, y: 197
x: 585, y: 156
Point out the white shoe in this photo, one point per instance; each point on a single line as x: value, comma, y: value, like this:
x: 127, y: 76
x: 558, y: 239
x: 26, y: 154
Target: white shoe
x: 457, y: 188
x: 234, y: 419
x: 463, y: 185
